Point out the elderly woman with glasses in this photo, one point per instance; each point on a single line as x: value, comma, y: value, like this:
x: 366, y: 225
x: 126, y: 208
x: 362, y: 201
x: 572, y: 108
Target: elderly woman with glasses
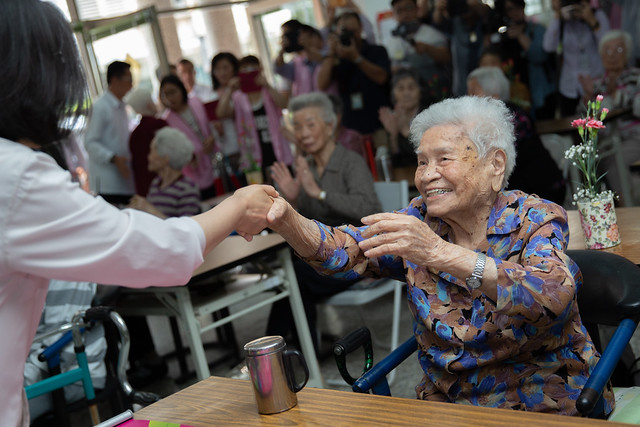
x: 620, y: 86
x: 491, y: 290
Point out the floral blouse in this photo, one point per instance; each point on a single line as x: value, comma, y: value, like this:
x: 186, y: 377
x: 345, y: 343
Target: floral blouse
x: 529, y: 349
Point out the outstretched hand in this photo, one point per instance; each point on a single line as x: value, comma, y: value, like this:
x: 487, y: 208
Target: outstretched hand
x: 400, y: 235
x: 257, y: 201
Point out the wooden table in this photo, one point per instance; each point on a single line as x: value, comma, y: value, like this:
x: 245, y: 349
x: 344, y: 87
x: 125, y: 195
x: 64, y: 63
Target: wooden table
x: 223, y: 401
x: 628, y: 224
x: 178, y: 301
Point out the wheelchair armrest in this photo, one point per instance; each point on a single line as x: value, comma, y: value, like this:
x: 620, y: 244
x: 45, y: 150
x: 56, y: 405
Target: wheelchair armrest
x: 345, y: 345
x: 371, y: 379
x: 592, y: 390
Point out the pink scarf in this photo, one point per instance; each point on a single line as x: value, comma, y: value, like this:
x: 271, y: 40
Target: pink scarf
x: 202, y: 172
x: 248, y: 133
x: 305, y: 81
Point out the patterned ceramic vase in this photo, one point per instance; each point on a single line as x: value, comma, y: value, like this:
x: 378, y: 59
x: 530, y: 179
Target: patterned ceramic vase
x: 599, y: 223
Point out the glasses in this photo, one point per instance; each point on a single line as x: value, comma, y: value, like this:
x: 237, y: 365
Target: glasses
x: 617, y: 51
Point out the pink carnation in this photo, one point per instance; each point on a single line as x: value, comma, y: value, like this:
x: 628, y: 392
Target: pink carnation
x: 596, y: 124
x: 578, y: 122
x: 605, y: 110
x: 599, y: 98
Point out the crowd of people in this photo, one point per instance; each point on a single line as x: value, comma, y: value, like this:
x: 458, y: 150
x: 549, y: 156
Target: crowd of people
x: 455, y: 92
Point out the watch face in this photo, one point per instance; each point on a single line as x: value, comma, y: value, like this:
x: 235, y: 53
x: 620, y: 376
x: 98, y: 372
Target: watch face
x: 474, y: 282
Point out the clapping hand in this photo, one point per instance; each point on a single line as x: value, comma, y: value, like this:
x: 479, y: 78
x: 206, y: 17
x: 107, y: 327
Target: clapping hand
x: 289, y: 185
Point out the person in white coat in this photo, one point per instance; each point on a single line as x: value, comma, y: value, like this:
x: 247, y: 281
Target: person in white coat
x: 49, y: 227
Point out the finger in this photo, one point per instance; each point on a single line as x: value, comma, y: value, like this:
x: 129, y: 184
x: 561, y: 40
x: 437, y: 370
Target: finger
x: 372, y: 219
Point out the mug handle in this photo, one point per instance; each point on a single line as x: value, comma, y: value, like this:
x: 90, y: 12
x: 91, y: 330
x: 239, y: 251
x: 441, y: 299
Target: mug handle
x: 287, y: 358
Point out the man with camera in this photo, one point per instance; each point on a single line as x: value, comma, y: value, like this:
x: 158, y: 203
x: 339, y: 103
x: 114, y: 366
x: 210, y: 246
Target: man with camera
x: 361, y: 71
x: 421, y: 47
x: 306, y: 43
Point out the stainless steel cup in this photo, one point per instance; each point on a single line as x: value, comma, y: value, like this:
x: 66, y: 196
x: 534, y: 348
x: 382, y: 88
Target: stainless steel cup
x: 272, y: 373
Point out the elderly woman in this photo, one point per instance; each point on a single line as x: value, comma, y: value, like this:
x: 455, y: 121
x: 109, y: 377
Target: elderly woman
x: 531, y: 155
x: 171, y: 192
x: 491, y: 290
x: 187, y: 114
x: 620, y: 86
x: 332, y: 184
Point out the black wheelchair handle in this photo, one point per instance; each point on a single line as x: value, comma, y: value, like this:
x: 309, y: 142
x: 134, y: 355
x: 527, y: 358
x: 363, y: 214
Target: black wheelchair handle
x: 99, y: 314
x: 345, y: 345
x: 352, y: 341
x: 144, y: 398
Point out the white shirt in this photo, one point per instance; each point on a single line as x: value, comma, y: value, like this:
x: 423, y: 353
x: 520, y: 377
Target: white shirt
x: 51, y: 229
x: 398, y: 48
x: 108, y: 135
x: 203, y: 93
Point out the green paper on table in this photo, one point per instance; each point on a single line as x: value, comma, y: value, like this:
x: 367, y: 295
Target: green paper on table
x: 146, y: 423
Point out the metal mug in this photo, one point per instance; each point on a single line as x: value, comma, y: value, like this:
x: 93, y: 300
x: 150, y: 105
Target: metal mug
x: 272, y: 374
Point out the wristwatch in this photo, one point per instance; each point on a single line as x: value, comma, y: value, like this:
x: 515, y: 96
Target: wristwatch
x: 475, y: 280
x: 322, y: 195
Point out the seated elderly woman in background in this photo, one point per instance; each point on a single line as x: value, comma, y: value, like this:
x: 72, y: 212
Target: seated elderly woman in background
x: 620, y: 86
x: 332, y: 183
x: 171, y: 192
x: 493, y: 295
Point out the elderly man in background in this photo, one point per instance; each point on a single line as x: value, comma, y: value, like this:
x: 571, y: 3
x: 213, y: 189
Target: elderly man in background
x: 187, y: 74
x: 107, y: 138
x: 491, y: 290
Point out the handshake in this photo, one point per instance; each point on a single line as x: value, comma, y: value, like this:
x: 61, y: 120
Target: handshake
x: 255, y: 208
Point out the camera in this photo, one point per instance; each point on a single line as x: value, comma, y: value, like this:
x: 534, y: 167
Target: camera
x: 345, y: 37
x: 292, y: 41
x: 406, y: 30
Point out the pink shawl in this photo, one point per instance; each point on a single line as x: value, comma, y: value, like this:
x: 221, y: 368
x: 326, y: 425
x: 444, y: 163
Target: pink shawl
x: 305, y: 81
x: 248, y: 133
x: 202, y: 172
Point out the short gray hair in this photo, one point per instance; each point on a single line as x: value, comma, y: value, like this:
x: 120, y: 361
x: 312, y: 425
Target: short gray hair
x: 315, y: 100
x: 139, y: 99
x: 614, y: 35
x: 492, y: 81
x: 175, y: 145
x: 486, y: 121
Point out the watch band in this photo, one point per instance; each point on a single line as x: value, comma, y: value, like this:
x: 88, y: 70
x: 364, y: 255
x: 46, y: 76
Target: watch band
x: 475, y: 280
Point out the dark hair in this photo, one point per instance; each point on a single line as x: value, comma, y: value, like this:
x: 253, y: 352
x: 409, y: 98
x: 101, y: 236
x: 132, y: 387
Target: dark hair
x: 249, y: 60
x: 304, y: 28
x: 292, y: 24
x: 221, y: 57
x: 349, y: 14
x: 403, y: 73
x: 520, y: 4
x: 185, y: 61
x: 44, y: 91
x: 117, y: 69
x: 175, y: 80
x: 393, y: 2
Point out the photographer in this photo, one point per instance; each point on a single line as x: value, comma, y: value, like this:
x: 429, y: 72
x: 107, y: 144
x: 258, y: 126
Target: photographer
x: 421, y: 47
x: 574, y: 33
x: 306, y: 43
x: 361, y: 71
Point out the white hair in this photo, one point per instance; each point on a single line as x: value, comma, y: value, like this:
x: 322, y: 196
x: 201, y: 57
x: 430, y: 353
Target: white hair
x: 486, y: 121
x: 140, y: 99
x: 315, y: 100
x: 492, y: 81
x: 175, y: 145
x: 614, y: 35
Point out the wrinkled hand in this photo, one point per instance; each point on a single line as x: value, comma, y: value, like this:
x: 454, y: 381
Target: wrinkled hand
x: 401, y: 235
x: 257, y: 200
x: 306, y: 178
x: 388, y: 120
x: 122, y: 163
x: 278, y: 213
x: 142, y: 204
x: 289, y: 185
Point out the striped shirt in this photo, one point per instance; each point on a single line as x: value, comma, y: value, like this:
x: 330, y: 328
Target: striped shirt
x: 181, y: 198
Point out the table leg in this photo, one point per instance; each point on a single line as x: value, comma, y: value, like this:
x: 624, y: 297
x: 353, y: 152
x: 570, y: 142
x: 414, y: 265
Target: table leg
x: 192, y: 328
x: 299, y: 316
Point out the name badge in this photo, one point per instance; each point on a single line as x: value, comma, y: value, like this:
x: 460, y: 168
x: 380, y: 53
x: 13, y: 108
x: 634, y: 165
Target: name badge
x: 356, y: 101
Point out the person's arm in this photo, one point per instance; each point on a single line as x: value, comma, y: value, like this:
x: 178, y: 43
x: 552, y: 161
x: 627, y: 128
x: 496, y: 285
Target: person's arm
x: 325, y: 74
x: 224, y: 109
x: 98, y: 121
x: 302, y: 234
x: 552, y: 36
x: 376, y: 73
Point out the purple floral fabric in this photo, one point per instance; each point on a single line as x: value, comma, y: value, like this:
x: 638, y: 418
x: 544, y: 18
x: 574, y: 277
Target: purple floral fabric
x: 529, y: 349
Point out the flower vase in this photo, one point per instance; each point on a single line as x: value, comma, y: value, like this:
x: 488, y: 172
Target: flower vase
x: 254, y: 177
x: 599, y: 222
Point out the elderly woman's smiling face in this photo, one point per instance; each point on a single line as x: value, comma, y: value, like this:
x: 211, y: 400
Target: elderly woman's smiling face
x: 454, y: 181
